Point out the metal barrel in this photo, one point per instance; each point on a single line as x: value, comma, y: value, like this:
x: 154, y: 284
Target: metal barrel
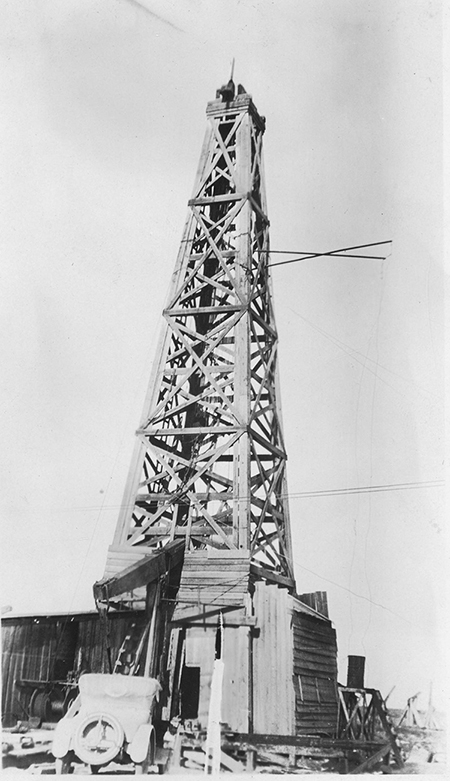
x: 355, y: 672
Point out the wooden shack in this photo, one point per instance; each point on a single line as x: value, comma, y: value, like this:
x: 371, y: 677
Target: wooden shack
x: 279, y: 654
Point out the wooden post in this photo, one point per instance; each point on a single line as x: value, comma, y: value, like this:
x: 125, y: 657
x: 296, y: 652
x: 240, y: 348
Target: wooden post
x: 175, y: 759
x: 251, y: 755
x: 250, y: 679
x: 149, y: 660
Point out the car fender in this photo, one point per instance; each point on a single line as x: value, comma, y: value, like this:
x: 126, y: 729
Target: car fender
x: 62, y: 738
x: 139, y: 746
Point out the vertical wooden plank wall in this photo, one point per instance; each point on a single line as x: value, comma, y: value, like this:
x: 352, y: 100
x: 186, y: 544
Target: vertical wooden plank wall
x: 30, y: 645
x: 92, y: 641
x: 28, y: 650
x: 273, y: 692
x: 200, y: 652
x: 235, y: 701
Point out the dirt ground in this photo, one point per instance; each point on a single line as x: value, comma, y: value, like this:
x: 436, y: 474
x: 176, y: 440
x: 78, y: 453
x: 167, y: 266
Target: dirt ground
x: 424, y: 751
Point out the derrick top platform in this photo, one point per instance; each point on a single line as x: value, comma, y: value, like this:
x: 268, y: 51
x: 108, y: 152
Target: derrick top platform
x: 228, y: 99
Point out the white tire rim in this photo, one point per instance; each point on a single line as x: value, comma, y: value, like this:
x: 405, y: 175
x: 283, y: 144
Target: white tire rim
x: 98, y: 739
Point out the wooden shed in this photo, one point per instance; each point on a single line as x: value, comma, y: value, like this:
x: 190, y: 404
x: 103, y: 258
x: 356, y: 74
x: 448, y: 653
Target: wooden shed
x: 279, y: 653
x: 43, y: 654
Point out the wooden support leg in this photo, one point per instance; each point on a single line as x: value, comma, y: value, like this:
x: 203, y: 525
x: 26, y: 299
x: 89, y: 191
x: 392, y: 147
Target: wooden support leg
x: 370, y: 761
x: 251, y: 760
x: 174, y: 764
x: 292, y: 758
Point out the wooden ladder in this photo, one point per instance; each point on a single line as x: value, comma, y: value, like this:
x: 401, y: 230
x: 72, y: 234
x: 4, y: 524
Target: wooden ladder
x: 130, y: 651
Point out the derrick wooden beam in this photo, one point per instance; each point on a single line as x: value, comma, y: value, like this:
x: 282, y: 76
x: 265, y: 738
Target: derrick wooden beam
x: 218, y: 199
x: 208, y: 611
x: 370, y: 761
x: 274, y: 577
x: 142, y: 572
x: 278, y: 742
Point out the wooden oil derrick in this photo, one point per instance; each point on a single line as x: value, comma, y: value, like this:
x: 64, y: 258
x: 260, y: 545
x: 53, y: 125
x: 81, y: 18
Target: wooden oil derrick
x: 209, y: 463
x: 204, y: 523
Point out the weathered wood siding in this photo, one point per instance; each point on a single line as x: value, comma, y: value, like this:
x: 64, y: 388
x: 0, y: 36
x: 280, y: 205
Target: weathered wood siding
x: 280, y: 678
x: 318, y: 600
x: 236, y: 687
x: 28, y: 648
x: 282, y: 675
x: 314, y: 673
x: 200, y: 652
x: 215, y: 580
x: 36, y: 648
x: 273, y: 693
x: 211, y: 580
x: 92, y: 641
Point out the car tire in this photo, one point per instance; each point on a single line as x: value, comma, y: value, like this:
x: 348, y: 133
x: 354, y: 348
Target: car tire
x: 110, y: 739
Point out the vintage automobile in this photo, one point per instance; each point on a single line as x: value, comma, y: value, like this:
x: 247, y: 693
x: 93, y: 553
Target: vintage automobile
x: 111, y: 720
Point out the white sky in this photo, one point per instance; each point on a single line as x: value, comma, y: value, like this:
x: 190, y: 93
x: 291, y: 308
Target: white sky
x: 102, y: 123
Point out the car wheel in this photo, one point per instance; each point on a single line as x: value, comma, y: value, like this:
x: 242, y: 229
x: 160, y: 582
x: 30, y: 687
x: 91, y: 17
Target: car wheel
x: 98, y: 739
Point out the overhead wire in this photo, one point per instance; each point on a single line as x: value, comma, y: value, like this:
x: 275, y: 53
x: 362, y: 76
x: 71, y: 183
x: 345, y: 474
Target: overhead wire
x: 369, y: 489
x: 292, y: 495
x: 352, y: 353
x: 233, y: 583
x: 339, y: 585
x: 331, y: 253
x: 349, y: 590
